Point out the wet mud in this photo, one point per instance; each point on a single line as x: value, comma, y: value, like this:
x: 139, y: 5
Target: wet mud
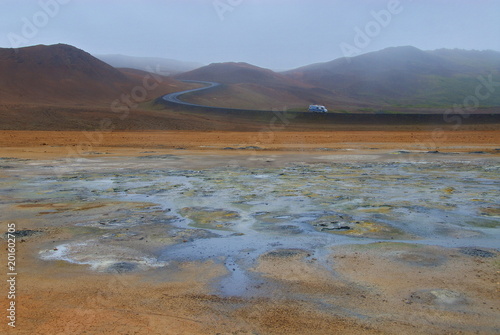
x: 269, y: 225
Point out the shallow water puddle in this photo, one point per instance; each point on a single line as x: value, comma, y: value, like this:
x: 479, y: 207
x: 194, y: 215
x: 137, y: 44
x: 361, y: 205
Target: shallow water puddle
x: 146, y: 212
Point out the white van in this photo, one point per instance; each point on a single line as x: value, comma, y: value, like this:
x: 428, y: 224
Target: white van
x: 318, y: 109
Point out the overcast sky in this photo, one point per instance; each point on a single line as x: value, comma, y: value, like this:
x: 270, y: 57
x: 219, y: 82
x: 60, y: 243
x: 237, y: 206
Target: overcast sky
x: 277, y: 34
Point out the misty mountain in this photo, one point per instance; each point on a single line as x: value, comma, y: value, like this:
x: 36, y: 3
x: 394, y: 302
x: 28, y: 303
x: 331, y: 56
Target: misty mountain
x: 390, y: 79
x: 239, y: 73
x: 393, y: 79
x: 470, y: 60
x: 164, y: 66
x: 405, y: 76
x: 252, y: 87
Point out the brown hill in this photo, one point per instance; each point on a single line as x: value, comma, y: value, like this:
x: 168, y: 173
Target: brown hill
x: 238, y: 73
x: 250, y: 87
x: 57, y: 74
x: 264, y: 97
x: 156, y: 85
x: 64, y: 75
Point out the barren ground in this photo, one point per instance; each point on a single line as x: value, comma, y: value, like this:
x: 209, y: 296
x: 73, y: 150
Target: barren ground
x: 62, y: 143
x: 367, y: 288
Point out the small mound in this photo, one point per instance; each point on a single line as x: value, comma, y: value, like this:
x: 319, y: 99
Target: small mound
x: 122, y: 267
x: 475, y: 252
x: 285, y: 253
x: 440, y: 297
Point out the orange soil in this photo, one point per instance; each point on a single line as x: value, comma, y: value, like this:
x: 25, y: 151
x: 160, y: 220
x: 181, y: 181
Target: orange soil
x: 63, y: 142
x: 61, y: 298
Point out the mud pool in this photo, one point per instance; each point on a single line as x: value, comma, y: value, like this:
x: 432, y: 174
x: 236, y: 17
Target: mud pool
x: 157, y: 212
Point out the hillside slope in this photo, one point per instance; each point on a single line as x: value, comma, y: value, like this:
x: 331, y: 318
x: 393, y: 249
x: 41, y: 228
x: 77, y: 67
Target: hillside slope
x: 238, y: 73
x: 57, y: 74
x: 405, y: 76
x: 164, y: 66
x: 399, y: 79
x: 251, y: 87
x: 64, y: 75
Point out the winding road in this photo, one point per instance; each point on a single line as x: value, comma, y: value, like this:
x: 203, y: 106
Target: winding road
x: 174, y: 97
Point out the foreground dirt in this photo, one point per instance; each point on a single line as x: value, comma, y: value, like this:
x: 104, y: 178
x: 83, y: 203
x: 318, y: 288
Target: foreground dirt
x: 380, y: 288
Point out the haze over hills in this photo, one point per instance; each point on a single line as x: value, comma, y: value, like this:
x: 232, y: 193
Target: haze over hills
x: 163, y: 66
x: 393, y: 79
x: 238, y: 73
x: 61, y: 87
x: 406, y: 76
x: 400, y: 79
x: 253, y: 87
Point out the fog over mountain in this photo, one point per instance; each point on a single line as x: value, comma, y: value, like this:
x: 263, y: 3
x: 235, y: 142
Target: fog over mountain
x: 407, y: 76
x: 279, y: 35
x: 164, y: 66
x: 394, y: 79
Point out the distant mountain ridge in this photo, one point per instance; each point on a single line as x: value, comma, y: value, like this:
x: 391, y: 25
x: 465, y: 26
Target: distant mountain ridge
x: 405, y: 76
x: 164, y: 66
x: 252, y: 87
x: 398, y: 79
x: 388, y: 80
x: 238, y: 73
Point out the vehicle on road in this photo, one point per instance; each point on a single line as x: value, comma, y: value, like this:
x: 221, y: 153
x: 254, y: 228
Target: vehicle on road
x: 318, y: 109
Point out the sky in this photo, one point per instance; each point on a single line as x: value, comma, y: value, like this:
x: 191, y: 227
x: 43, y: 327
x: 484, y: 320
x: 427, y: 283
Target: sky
x: 275, y: 34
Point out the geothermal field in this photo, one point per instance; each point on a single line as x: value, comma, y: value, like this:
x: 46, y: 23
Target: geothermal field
x: 254, y: 241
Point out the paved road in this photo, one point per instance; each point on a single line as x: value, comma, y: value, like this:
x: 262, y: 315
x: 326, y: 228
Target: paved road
x: 174, y: 97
